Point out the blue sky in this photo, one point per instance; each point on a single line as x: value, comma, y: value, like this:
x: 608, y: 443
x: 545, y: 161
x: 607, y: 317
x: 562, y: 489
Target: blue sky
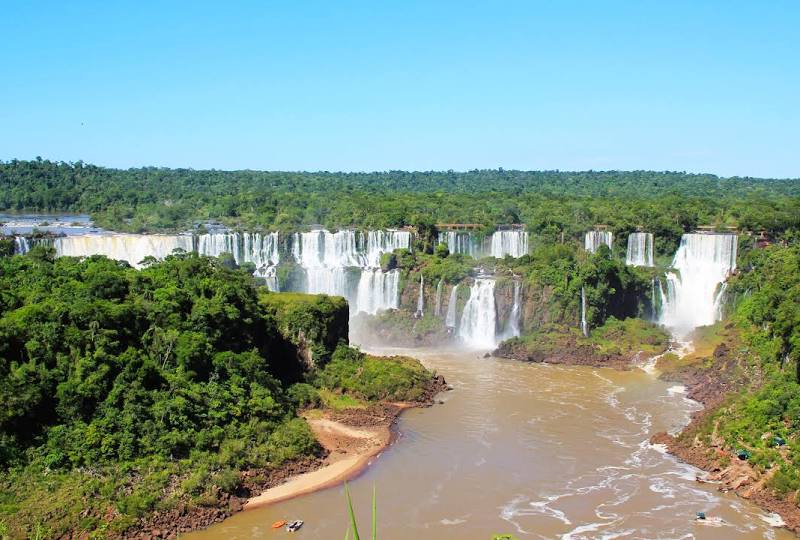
x: 703, y: 86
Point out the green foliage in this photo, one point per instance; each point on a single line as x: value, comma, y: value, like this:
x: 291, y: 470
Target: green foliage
x: 304, y: 396
x: 549, y: 202
x: 768, y: 297
x: 451, y: 269
x: 317, y: 323
x: 627, y: 337
x: 764, y: 304
x: 372, y: 378
x: 134, y: 377
x: 388, y: 262
x: 6, y: 249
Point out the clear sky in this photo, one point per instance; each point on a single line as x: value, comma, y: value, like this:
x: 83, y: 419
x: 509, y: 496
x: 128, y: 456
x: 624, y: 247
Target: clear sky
x: 702, y: 86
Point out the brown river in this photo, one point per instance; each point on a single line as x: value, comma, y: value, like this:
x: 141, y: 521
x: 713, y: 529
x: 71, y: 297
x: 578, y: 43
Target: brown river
x: 534, y: 450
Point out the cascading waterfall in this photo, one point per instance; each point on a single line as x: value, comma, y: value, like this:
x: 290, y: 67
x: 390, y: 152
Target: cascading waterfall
x: 332, y: 261
x: 514, y: 243
x: 654, y: 299
x: 377, y: 290
x: 693, y: 296
x: 437, y: 302
x: 460, y: 242
x: 421, y: 298
x: 380, y: 242
x: 450, y: 320
x: 479, y: 319
x: 594, y: 239
x: 584, y: 323
x: 640, y: 249
x: 512, y: 325
x: 345, y: 263
x: 21, y: 245
x: 259, y: 249
x: 133, y: 248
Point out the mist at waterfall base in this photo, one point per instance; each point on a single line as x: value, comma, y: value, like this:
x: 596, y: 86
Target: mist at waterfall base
x: 694, y: 290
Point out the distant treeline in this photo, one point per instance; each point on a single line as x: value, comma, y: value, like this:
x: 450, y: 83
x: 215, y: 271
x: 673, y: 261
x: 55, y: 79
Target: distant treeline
x: 549, y: 202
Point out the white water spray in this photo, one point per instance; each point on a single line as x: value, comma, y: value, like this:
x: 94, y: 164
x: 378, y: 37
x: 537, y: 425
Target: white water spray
x: 512, y: 328
x: 594, y: 239
x: 460, y: 242
x: 437, y: 301
x: 450, y: 320
x: 347, y: 263
x: 584, y: 323
x: 513, y: 243
x: 693, y: 296
x: 421, y: 298
x: 640, y: 249
x: 479, y: 319
x: 133, y: 248
x: 21, y: 245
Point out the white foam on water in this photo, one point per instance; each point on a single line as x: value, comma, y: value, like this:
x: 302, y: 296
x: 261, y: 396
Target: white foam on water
x: 454, y: 521
x: 677, y: 389
x: 660, y: 448
x: 773, y: 519
x: 544, y: 508
x: 620, y: 534
x: 577, y: 532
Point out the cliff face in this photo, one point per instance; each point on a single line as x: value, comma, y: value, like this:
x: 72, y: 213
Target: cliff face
x: 311, y: 326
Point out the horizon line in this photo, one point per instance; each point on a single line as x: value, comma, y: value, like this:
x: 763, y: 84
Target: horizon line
x: 389, y: 171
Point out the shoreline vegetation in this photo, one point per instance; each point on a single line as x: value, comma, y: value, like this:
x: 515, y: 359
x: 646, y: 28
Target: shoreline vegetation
x: 145, y: 403
x: 350, y: 438
x: 745, y: 370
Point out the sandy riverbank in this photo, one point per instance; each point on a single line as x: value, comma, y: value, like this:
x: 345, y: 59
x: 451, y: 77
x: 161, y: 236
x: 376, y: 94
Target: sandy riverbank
x: 350, y: 449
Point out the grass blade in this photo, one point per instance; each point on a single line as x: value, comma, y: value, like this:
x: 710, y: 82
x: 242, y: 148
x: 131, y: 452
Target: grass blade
x: 374, y: 514
x: 353, y: 523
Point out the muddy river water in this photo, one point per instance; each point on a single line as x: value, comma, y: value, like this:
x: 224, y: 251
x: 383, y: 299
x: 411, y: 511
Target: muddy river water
x: 535, y: 450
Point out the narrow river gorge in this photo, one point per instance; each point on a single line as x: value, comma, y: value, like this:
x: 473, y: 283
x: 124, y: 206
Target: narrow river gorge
x: 536, y: 450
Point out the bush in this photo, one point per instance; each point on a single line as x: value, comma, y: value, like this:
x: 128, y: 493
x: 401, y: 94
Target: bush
x: 303, y: 396
x: 292, y: 439
x: 373, y: 378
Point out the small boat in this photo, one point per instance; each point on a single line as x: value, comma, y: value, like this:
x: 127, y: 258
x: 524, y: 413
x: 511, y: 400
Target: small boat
x: 279, y: 524
x: 294, y: 525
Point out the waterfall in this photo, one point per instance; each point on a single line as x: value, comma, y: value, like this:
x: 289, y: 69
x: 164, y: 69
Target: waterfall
x: 133, y: 248
x: 693, y: 296
x: 514, y: 243
x: 21, y: 245
x: 479, y: 319
x: 640, y: 249
x: 450, y: 320
x: 594, y: 239
x: 259, y: 249
x: 347, y: 263
x: 437, y: 302
x: 512, y: 325
x: 653, y: 299
x: 377, y: 291
x: 459, y: 242
x: 421, y: 298
x: 584, y: 324
x: 380, y: 242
